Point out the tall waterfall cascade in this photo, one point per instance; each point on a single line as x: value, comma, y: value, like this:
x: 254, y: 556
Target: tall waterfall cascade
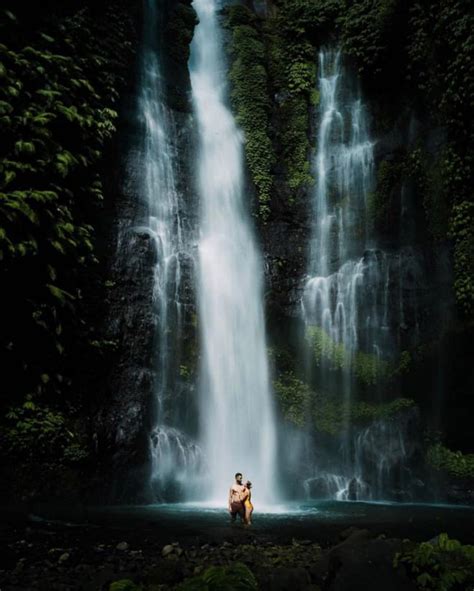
x: 174, y: 456
x: 349, y: 288
x: 238, y: 432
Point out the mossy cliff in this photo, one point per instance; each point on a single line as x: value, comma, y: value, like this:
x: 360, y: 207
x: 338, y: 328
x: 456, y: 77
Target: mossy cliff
x: 415, y: 58
x: 63, y: 72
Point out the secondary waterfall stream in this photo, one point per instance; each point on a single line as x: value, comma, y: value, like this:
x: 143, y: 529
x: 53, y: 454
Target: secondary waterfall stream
x: 238, y: 430
x: 174, y: 455
x: 346, y: 297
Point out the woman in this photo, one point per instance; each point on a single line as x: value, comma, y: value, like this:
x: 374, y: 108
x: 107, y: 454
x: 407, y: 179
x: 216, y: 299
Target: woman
x: 248, y: 504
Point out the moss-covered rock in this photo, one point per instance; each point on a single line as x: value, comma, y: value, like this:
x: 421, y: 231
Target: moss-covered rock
x: 368, y: 368
x: 292, y: 73
x: 331, y: 415
x: 250, y: 99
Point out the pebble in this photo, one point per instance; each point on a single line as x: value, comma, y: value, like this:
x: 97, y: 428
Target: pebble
x: 168, y: 549
x: 122, y: 546
x: 64, y: 557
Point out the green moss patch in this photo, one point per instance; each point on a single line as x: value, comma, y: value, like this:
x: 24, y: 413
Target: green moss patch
x: 453, y: 463
x: 368, y: 368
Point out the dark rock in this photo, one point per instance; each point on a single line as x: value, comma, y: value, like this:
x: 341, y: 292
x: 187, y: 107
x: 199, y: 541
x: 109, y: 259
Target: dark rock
x: 167, y: 550
x: 347, y: 533
x: 285, y: 578
x: 360, y: 564
x: 64, y: 557
x: 167, y: 572
x: 460, y: 491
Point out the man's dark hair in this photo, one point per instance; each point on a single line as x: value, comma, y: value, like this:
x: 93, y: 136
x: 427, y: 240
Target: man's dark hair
x: 238, y: 474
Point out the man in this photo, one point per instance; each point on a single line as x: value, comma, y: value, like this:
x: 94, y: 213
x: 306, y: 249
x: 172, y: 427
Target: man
x: 237, y: 495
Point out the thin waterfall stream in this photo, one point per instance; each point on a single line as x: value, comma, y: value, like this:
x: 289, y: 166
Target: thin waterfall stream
x: 174, y: 455
x: 238, y: 431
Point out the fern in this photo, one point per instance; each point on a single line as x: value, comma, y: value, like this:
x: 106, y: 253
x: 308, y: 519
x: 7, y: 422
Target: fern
x: 43, y: 118
x: 5, y: 108
x: 47, y: 93
x: 22, y: 147
x: 65, y: 161
x: 70, y: 113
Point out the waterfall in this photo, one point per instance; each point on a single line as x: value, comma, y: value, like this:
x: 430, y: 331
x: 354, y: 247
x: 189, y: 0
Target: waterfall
x: 236, y: 414
x: 347, y: 294
x: 174, y: 456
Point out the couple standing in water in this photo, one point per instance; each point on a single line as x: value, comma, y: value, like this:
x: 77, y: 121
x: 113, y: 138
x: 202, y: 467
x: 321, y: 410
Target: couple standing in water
x: 240, y: 500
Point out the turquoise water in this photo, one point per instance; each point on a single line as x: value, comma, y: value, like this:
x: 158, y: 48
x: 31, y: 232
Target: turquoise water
x: 316, y: 520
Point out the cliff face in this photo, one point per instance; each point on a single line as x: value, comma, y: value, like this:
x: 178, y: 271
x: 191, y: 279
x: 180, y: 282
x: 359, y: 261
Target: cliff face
x: 126, y: 412
x: 96, y: 355
x: 413, y: 211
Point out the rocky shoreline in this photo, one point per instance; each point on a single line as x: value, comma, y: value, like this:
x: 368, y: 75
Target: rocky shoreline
x: 48, y: 556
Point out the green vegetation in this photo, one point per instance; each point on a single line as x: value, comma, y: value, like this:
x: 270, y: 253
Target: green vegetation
x: 273, y: 78
x: 419, y: 56
x: 461, y: 231
x: 429, y: 46
x: 439, y: 565
x: 292, y: 72
x: 35, y: 432
x: 367, y: 32
x: 453, y: 463
x: 294, y: 397
x: 368, y: 368
x: 235, y: 577
x: 58, y: 107
x: 250, y: 99
x: 383, y: 207
x: 331, y: 415
x: 300, y: 406
x: 439, y: 50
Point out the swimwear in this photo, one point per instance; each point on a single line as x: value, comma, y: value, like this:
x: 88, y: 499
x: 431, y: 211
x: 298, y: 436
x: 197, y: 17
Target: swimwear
x: 248, y: 503
x: 236, y: 506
